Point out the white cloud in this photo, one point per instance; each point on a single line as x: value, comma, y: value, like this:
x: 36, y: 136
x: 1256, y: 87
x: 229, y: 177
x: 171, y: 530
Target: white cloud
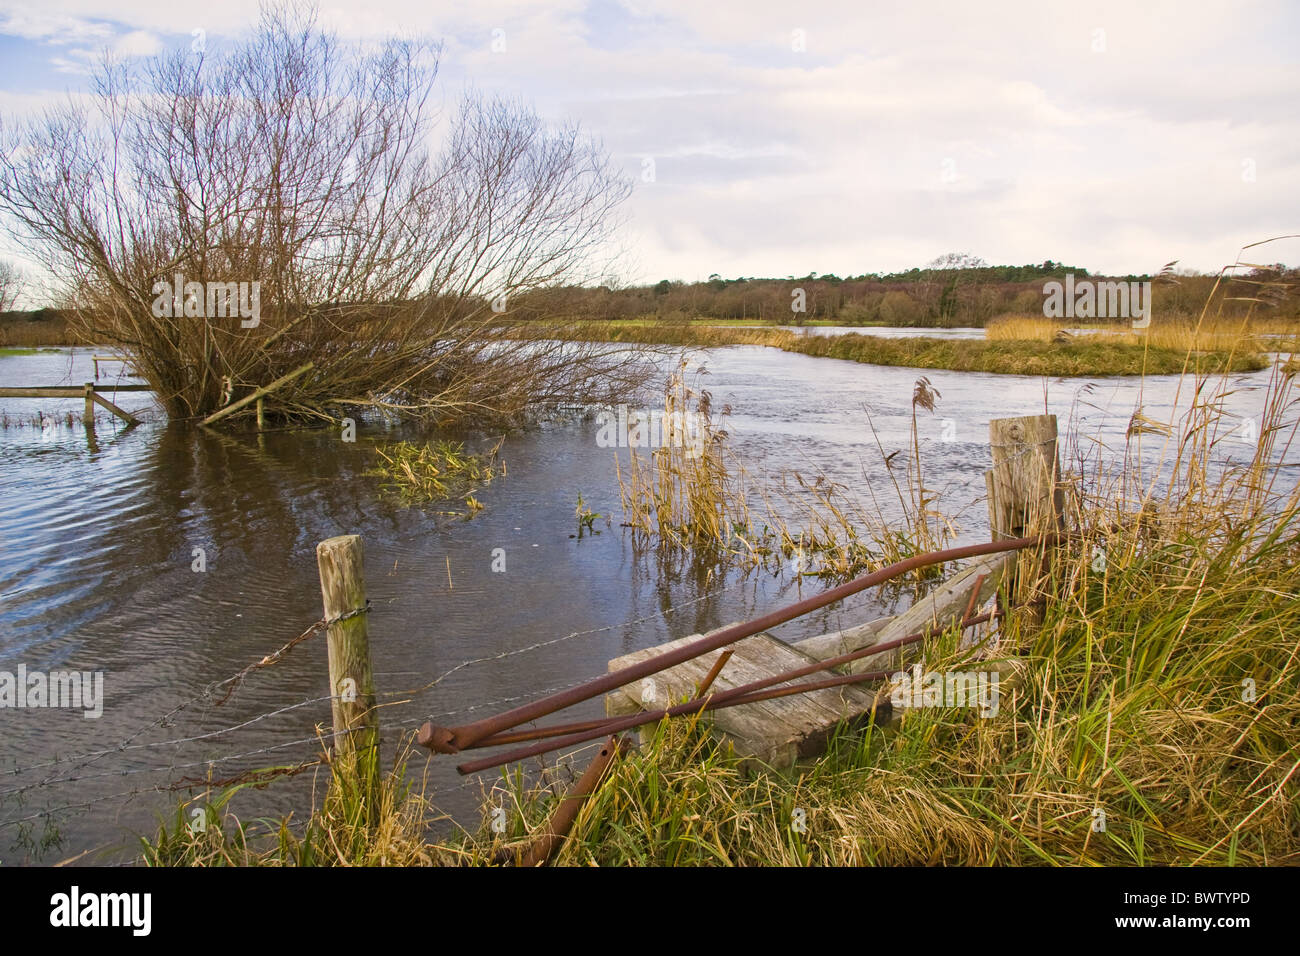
x: 137, y: 43
x: 50, y: 26
x: 899, y: 134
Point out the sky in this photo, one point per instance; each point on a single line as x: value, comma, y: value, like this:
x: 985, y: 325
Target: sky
x: 778, y: 138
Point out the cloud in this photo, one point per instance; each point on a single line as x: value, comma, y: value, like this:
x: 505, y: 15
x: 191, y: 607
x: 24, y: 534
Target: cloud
x: 49, y: 26
x: 137, y: 43
x: 1110, y: 135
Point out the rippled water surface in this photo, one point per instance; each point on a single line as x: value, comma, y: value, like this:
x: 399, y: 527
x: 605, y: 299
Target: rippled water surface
x: 98, y: 532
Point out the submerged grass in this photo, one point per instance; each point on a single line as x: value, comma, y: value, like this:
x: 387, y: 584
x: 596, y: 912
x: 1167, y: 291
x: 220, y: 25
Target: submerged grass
x: 435, y: 471
x: 11, y: 352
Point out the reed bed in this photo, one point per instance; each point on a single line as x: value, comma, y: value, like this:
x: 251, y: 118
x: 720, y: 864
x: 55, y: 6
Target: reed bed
x: 693, y: 494
x: 23, y: 333
x: 1181, y: 334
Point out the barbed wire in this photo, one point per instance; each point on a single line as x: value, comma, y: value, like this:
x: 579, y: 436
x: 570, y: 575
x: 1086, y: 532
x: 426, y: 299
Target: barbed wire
x: 558, y: 640
x: 160, y: 743
x: 472, y: 780
x: 172, y: 767
x: 206, y: 695
x: 127, y: 745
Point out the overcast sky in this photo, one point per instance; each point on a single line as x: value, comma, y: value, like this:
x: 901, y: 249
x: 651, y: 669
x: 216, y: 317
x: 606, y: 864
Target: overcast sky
x: 845, y: 137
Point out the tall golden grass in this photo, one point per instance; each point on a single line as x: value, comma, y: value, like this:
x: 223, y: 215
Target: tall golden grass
x: 1180, y: 333
x: 697, y: 495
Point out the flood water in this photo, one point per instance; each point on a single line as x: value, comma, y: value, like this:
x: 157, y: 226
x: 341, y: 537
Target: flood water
x: 97, y: 555
x: 880, y: 331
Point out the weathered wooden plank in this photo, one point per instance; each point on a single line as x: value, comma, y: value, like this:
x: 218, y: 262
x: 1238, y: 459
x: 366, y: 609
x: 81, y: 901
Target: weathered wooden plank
x: 777, y: 731
x: 125, y: 416
x: 63, y: 391
x: 96, y: 359
x: 781, y: 730
x: 671, y: 686
x: 845, y: 641
x: 755, y: 658
x: 942, y: 607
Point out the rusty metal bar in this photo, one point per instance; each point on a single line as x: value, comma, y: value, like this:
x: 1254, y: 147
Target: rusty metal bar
x: 974, y: 596
x: 541, y: 733
x: 823, y: 684
x: 607, y: 723
x: 456, y: 739
x: 727, y: 698
x: 713, y: 673
x: 561, y: 821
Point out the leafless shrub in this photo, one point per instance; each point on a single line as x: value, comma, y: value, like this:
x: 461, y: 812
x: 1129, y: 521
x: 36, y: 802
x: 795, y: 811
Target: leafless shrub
x: 301, y: 165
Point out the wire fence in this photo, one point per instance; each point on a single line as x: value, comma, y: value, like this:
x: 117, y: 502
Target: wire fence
x: 202, y: 752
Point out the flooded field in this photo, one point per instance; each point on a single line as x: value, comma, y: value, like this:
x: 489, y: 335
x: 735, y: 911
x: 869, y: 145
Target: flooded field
x: 97, y: 570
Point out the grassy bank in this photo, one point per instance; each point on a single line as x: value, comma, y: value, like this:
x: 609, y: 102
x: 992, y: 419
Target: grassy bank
x: 1130, y: 741
x: 1179, y: 334
x: 11, y: 353
x: 1080, y: 356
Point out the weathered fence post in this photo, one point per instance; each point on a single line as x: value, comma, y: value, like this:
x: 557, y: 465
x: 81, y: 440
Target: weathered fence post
x: 88, y: 415
x: 352, y: 685
x: 1025, y: 498
x: 254, y: 396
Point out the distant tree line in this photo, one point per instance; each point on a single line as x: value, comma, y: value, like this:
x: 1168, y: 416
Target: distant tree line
x: 954, y: 290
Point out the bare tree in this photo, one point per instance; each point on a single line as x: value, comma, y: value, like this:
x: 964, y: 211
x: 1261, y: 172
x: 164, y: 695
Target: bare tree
x: 227, y: 220
x: 11, y: 285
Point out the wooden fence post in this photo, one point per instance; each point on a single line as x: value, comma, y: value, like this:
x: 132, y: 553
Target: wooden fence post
x: 352, y: 685
x: 88, y: 415
x: 127, y: 417
x: 254, y: 396
x: 1025, y: 498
